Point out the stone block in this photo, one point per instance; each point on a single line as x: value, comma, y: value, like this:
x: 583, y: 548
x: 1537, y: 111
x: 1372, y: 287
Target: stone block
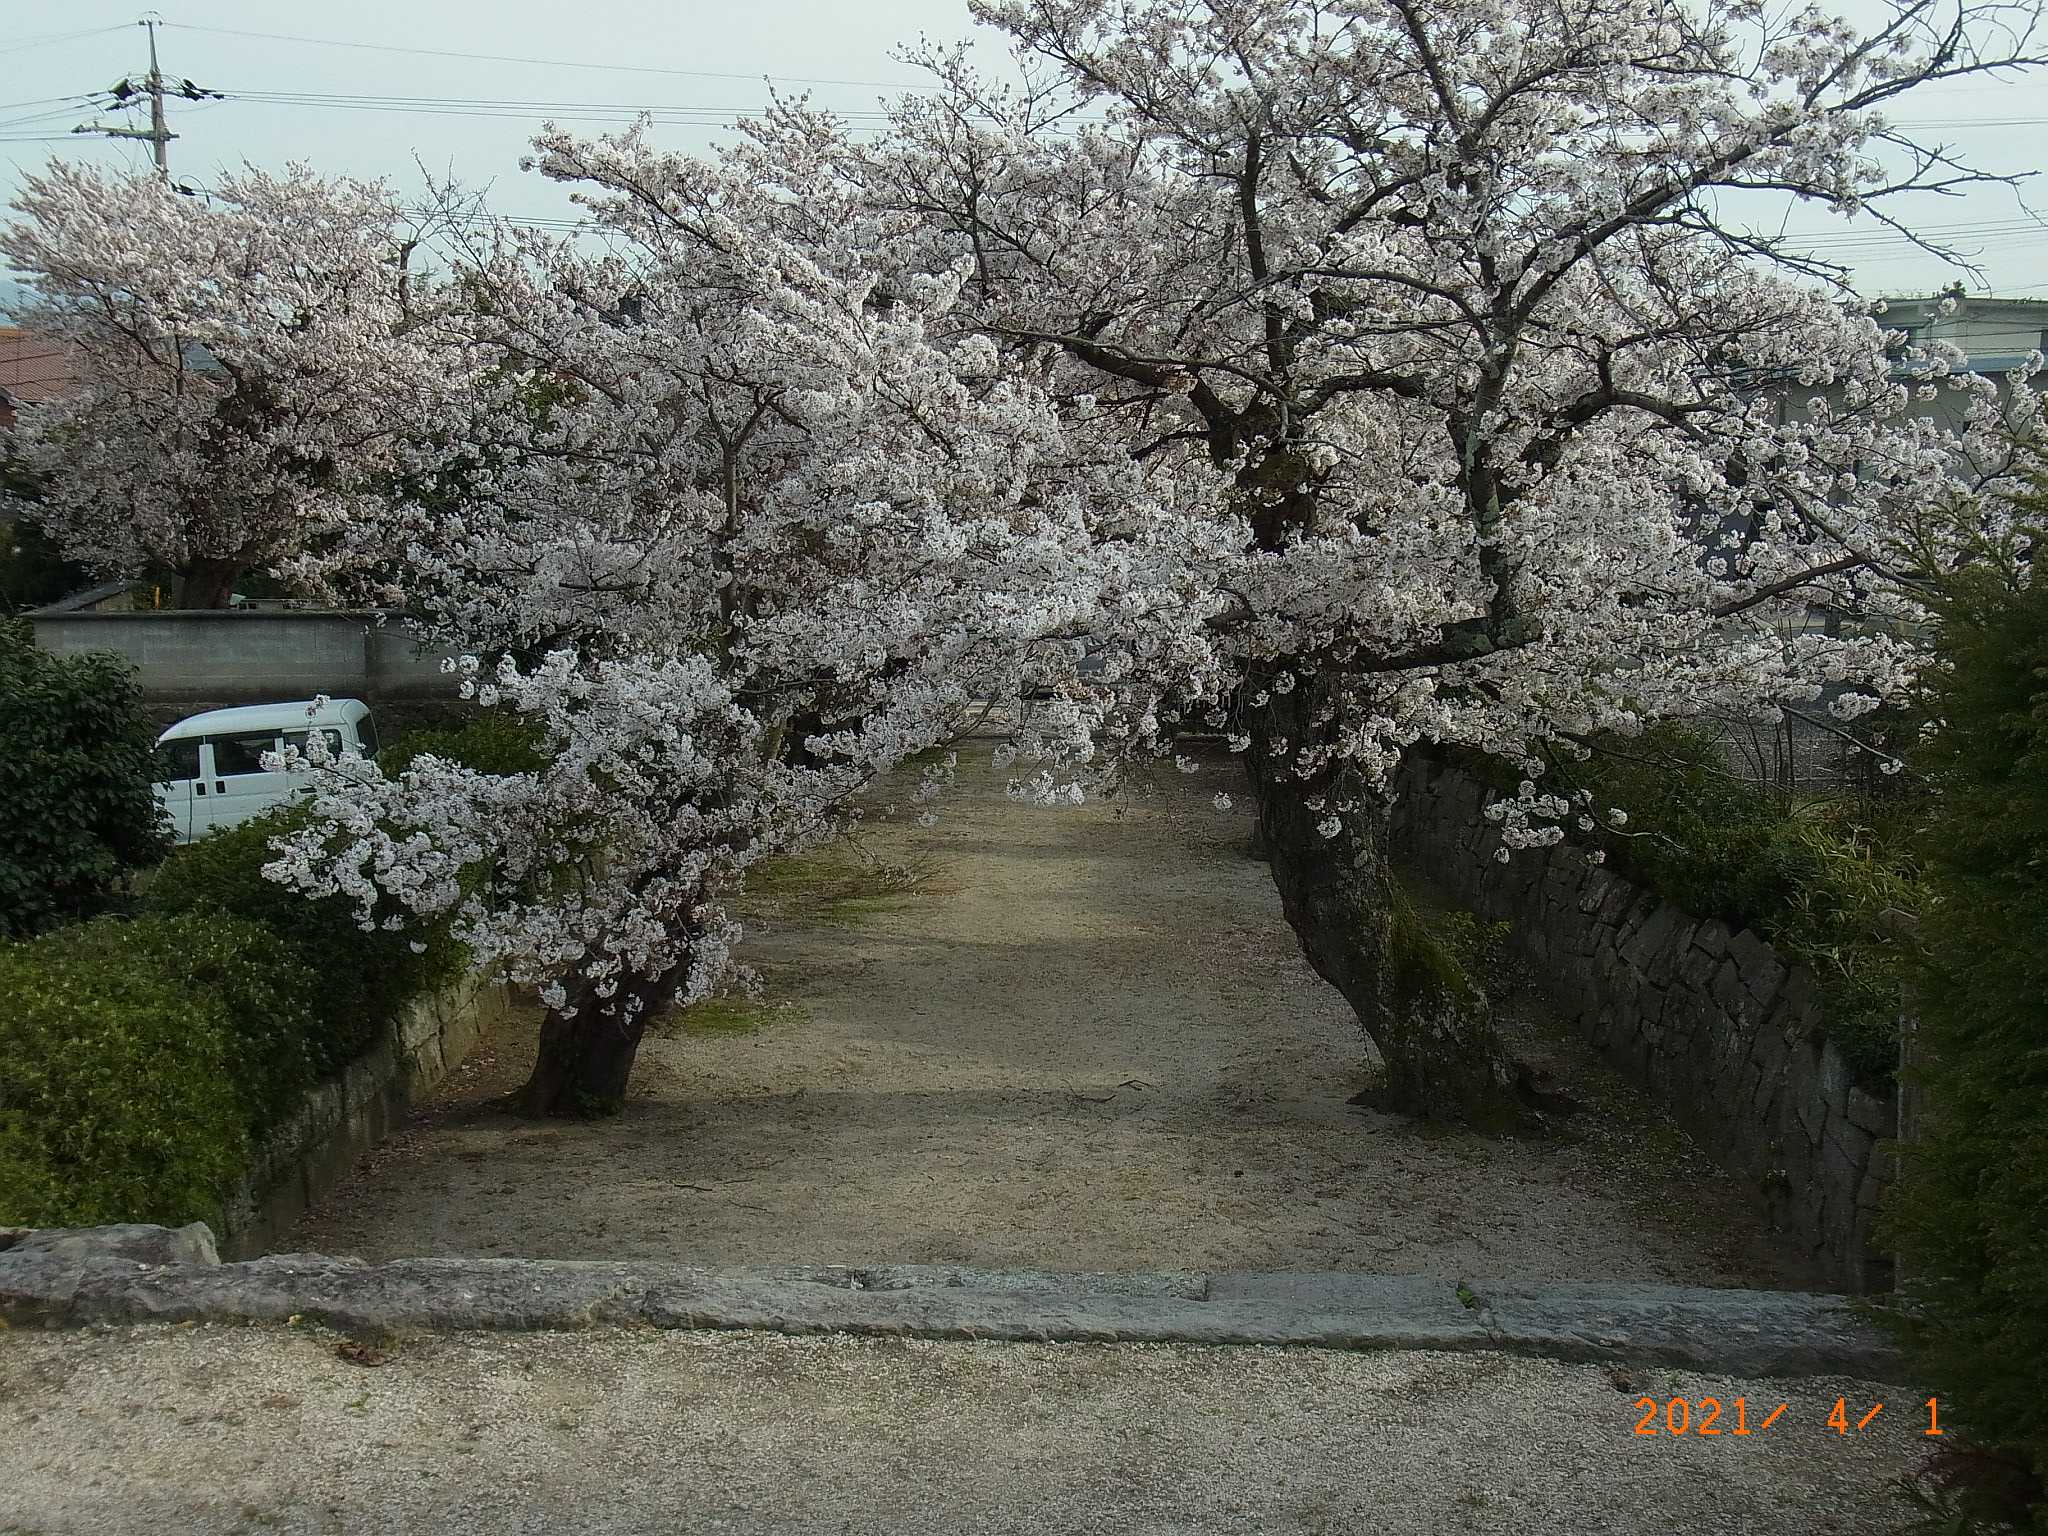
x: 1763, y: 973
x: 131, y: 1243
x: 1867, y: 1111
x: 1844, y: 1161
x: 1799, y: 998
x: 1767, y: 1048
x: 1727, y: 1052
x: 1695, y: 969
x: 1585, y: 931
x: 1728, y: 992
x: 1615, y: 904
x: 1834, y: 1081
x: 1594, y: 891
x: 1637, y: 913
x: 1651, y: 935
x: 1812, y: 1113
x: 1603, y: 1026
x: 1663, y: 966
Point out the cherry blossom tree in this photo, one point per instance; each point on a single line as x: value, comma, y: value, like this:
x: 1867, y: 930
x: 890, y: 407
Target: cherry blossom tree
x: 249, y: 361
x: 736, y: 534
x: 1475, y: 408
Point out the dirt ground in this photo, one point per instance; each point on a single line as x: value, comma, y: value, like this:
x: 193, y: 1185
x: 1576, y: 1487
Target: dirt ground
x: 1084, y: 1040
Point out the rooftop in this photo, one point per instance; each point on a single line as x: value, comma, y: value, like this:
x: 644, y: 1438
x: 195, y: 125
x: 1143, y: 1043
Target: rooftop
x: 296, y: 714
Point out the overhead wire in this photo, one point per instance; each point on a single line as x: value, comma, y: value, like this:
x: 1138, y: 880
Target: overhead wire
x: 487, y: 106
x: 60, y: 37
x: 506, y: 58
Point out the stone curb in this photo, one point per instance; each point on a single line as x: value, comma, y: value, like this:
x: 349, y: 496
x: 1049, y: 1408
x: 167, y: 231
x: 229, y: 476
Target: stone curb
x: 152, y: 1274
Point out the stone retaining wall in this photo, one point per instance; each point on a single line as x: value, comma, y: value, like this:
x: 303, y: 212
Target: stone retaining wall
x: 343, y: 1118
x: 1707, y: 1018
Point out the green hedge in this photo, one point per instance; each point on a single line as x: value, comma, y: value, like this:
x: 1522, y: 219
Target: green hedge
x: 119, y: 1092
x: 139, y: 1058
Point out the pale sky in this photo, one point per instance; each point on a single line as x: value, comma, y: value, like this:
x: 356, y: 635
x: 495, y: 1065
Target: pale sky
x: 697, y: 66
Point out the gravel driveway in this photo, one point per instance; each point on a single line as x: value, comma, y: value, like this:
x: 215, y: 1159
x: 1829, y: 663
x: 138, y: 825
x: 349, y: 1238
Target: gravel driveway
x: 1087, y: 1041
x: 208, y: 1429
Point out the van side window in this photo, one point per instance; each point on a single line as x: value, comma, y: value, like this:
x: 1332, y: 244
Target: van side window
x: 332, y: 737
x: 241, y: 754
x: 177, y: 760
x: 366, y: 728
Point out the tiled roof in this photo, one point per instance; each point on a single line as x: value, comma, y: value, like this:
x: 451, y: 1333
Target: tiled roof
x: 31, y: 368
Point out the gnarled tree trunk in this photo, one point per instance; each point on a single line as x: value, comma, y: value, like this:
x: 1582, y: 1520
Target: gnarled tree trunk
x: 1444, y: 1059
x: 207, y: 582
x: 585, y: 1058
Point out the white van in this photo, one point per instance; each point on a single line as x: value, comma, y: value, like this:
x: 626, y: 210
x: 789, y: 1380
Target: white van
x: 212, y: 764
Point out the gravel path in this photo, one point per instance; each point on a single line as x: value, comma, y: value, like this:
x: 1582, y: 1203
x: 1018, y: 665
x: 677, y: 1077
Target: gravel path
x: 245, y: 1430
x: 1088, y: 1041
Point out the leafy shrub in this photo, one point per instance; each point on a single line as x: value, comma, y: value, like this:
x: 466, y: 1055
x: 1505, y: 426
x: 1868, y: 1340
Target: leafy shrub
x: 361, y: 979
x: 77, y: 759
x: 1971, y: 1212
x: 278, y: 1044
x: 496, y: 743
x: 119, y: 1097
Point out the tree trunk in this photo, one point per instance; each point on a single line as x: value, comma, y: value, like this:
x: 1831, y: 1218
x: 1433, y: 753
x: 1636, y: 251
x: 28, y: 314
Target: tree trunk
x: 1444, y: 1059
x: 208, y: 582
x: 585, y: 1060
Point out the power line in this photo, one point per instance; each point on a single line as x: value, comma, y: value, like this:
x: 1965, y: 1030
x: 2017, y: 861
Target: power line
x: 680, y: 117
x: 33, y: 120
x: 56, y: 37
x: 1973, y: 122
x: 487, y: 106
x: 42, y: 101
x: 506, y: 58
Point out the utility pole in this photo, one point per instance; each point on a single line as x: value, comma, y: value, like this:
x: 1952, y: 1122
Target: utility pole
x: 159, y: 130
x: 158, y: 133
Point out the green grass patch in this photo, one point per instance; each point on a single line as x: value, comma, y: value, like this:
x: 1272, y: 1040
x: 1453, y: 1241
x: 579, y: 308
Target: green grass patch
x: 843, y: 884
x: 715, y: 1017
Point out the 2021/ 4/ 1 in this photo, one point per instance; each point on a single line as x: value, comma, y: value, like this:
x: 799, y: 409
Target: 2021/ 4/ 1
x: 1708, y: 1416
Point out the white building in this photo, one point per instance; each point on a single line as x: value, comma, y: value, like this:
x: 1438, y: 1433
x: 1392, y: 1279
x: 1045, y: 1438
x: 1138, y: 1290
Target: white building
x: 1996, y: 333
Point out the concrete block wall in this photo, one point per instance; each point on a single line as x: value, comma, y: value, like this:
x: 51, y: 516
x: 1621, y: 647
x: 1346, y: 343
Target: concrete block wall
x: 243, y: 656
x: 1709, y: 1019
x: 344, y: 1118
